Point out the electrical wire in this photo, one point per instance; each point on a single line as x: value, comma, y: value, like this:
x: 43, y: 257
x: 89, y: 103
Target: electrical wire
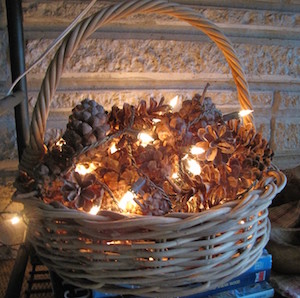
x: 53, y: 44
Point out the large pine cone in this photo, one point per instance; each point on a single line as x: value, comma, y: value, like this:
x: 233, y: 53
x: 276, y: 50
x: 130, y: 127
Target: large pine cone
x: 87, y: 124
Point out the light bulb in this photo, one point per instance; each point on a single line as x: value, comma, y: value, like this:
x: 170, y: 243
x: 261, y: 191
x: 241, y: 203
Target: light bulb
x: 60, y: 143
x: 127, y: 200
x: 113, y: 148
x: 175, y: 104
x: 15, y: 220
x: 175, y: 175
x: 145, y: 138
x: 156, y: 120
x: 82, y: 169
x: 244, y: 113
x: 193, y: 166
x: 174, y: 101
x: 195, y: 150
x: 94, y: 210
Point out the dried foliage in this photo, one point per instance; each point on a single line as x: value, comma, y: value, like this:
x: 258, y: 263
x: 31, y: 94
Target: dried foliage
x: 235, y: 157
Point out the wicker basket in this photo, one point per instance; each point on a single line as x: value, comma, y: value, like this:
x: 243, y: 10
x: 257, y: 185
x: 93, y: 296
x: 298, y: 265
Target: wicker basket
x: 174, y: 255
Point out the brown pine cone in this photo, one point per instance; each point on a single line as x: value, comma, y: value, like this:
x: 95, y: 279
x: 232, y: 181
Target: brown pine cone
x: 81, y: 191
x: 87, y: 124
x: 155, y: 204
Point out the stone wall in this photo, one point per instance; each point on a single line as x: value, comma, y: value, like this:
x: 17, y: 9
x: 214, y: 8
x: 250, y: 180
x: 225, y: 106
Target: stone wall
x: 143, y: 56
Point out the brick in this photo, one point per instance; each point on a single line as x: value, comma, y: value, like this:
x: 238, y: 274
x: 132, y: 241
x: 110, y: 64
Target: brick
x: 289, y: 101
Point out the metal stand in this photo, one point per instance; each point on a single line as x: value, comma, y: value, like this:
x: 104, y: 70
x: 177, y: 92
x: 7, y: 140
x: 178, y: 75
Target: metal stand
x: 17, y: 59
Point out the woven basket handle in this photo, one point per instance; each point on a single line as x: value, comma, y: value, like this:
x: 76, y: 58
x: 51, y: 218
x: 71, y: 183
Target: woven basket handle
x: 84, y: 29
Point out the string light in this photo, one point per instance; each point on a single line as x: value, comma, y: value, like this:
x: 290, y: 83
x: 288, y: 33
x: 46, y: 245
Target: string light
x: 175, y: 104
x: 127, y: 202
x: 145, y: 138
x: 15, y: 220
x: 175, y: 175
x: 193, y: 167
x: 237, y: 115
x: 113, y: 148
x: 60, y: 143
x: 82, y: 169
x: 174, y: 101
x: 94, y: 210
x: 155, y: 120
x: 195, y: 150
x: 244, y: 113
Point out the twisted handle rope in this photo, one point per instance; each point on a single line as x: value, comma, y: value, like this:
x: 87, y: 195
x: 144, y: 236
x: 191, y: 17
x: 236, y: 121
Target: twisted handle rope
x: 83, y: 30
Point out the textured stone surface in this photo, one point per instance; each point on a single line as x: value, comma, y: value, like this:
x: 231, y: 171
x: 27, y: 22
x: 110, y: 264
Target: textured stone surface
x: 8, y: 137
x: 4, y: 71
x: 286, y: 135
x: 170, y: 56
x: 224, y: 99
x: 289, y: 101
x: 64, y: 11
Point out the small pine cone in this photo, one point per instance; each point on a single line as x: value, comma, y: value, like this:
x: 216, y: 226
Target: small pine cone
x: 155, y: 204
x: 81, y: 191
x: 88, y: 124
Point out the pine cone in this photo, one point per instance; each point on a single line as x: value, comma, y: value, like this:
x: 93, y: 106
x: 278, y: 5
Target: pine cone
x: 87, y: 124
x: 155, y: 204
x: 81, y: 191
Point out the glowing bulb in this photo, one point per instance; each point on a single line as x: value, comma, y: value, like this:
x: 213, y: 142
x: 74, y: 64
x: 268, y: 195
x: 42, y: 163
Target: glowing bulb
x: 193, y: 167
x: 244, y: 113
x: 94, y: 210
x: 242, y: 222
x: 145, y: 139
x: 174, y: 101
x: 127, y: 201
x: 83, y: 169
x: 155, y: 120
x: 113, y: 148
x: 151, y: 259
x: 175, y: 176
x: 60, y: 143
x: 195, y: 150
x: 15, y: 220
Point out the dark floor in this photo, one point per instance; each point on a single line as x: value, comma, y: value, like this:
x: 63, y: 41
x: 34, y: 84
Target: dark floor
x: 41, y: 286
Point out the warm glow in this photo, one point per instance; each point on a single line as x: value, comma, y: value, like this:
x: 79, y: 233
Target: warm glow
x: 155, y: 120
x: 60, y: 143
x: 244, y: 113
x: 145, y: 138
x: 15, y: 220
x: 193, y: 166
x: 113, y: 148
x: 195, y: 150
x: 82, y: 169
x: 175, y: 175
x: 242, y: 222
x: 94, y: 210
x: 151, y: 259
x: 174, y: 101
x: 127, y: 201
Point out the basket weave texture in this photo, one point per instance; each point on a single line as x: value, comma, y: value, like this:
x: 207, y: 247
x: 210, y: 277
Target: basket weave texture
x: 173, y: 255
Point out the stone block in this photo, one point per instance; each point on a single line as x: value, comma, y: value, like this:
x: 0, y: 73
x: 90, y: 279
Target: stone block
x: 286, y: 134
x: 289, y: 101
x: 224, y: 99
x: 160, y: 56
x: 64, y: 11
x: 8, y: 147
x: 4, y: 61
